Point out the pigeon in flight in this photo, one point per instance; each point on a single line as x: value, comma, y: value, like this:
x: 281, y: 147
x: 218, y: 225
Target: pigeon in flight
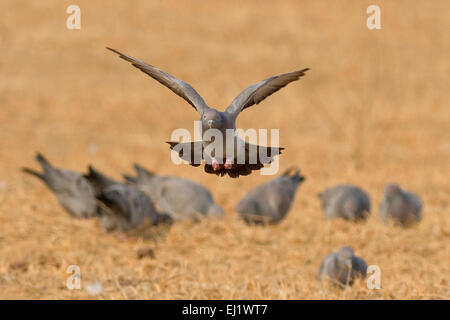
x: 401, y: 206
x: 123, y: 206
x: 342, y: 268
x: 270, y: 202
x: 73, y: 191
x: 345, y: 201
x: 180, y: 198
x: 220, y: 158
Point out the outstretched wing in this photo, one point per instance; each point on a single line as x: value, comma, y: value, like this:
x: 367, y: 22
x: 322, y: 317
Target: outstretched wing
x: 192, y: 152
x: 259, y: 91
x: 178, y: 86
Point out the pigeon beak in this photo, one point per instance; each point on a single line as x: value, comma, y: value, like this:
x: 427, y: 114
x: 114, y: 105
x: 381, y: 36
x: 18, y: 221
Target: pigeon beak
x: 210, y: 123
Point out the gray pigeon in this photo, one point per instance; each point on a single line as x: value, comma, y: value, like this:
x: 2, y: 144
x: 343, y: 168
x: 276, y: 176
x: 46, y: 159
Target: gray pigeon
x: 124, y: 207
x: 270, y: 202
x: 180, y: 198
x: 343, y: 267
x: 73, y: 191
x: 345, y: 201
x: 234, y: 161
x: 401, y: 206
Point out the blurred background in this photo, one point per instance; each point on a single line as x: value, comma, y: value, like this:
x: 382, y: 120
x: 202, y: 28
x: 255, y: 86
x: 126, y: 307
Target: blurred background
x: 372, y: 109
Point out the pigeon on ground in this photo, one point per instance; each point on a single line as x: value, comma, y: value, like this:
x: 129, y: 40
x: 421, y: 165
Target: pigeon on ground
x: 401, y: 206
x: 123, y: 207
x: 180, y: 198
x: 342, y: 268
x: 73, y: 191
x: 270, y: 202
x: 345, y: 201
x: 220, y: 158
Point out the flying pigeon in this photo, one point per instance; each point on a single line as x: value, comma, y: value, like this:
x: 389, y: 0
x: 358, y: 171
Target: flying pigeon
x: 345, y: 201
x: 401, y: 206
x: 73, y: 191
x: 220, y: 158
x: 270, y: 202
x: 180, y: 198
x: 124, y: 207
x: 342, y: 268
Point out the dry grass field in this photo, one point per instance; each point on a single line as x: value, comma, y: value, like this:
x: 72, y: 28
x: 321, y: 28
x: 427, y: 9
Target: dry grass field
x: 374, y: 108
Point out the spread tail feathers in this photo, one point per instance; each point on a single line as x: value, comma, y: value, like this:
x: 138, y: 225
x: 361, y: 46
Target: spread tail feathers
x: 43, y: 162
x: 129, y: 178
x: 46, y: 166
x: 34, y: 173
x: 98, y: 180
x: 296, y: 176
x: 142, y: 171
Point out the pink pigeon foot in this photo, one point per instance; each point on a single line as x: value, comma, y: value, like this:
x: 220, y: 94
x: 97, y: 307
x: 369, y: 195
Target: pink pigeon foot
x: 215, y: 164
x: 227, y: 164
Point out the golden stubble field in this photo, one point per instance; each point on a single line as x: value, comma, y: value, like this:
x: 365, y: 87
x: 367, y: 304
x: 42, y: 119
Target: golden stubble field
x: 372, y: 109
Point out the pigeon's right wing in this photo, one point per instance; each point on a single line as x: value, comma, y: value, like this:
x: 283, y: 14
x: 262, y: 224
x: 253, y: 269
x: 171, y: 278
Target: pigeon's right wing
x: 178, y: 86
x: 128, y: 203
x: 415, y: 201
x: 359, y: 265
x: 261, y: 90
x: 117, y: 199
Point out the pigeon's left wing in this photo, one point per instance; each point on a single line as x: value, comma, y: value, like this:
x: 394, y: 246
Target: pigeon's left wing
x: 259, y: 91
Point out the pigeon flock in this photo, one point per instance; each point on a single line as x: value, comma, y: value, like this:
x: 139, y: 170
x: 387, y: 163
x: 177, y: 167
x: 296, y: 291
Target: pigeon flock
x: 181, y: 198
x: 122, y: 206
x: 146, y: 196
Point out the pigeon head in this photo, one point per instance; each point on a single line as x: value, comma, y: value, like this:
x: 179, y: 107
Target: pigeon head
x: 212, y: 119
x: 295, y: 176
x: 391, y: 190
x: 345, y: 255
